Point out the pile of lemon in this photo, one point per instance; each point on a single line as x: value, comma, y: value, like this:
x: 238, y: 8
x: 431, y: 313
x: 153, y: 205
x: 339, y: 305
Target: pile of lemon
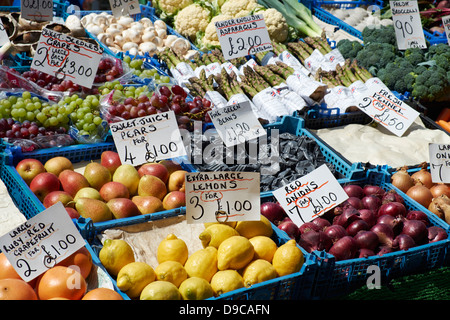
x: 234, y: 255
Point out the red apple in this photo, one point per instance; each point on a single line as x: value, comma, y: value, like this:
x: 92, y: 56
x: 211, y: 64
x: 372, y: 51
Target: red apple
x: 110, y: 160
x: 58, y: 196
x: 73, y: 214
x: 154, y: 169
x: 29, y: 168
x: 174, y: 199
x: 43, y: 184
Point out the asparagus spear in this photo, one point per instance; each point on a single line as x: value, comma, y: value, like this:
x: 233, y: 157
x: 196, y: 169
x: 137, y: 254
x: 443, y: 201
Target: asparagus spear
x: 278, y: 48
x: 342, y: 76
x: 272, y: 78
x: 234, y: 83
x: 282, y: 69
x: 348, y: 71
x: 225, y: 84
x: 363, y: 73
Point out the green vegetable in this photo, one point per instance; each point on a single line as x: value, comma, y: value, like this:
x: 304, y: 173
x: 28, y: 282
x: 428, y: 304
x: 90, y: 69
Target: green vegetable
x: 382, y: 34
x: 295, y: 13
x: 375, y: 56
x: 349, y: 48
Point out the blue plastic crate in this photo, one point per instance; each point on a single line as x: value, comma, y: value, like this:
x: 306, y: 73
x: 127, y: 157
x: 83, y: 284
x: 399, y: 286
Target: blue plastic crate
x: 337, y: 278
x: 295, y: 286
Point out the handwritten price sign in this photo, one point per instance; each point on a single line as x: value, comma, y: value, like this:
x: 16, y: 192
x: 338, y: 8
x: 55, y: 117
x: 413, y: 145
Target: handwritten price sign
x: 41, y: 242
x: 222, y: 196
x: 311, y: 196
x: 440, y: 162
x: 37, y: 10
x: 446, y: 24
x: 124, y: 7
x: 67, y: 57
x: 407, y: 25
x: 148, y: 139
x: 236, y: 124
x: 385, y: 108
x: 243, y: 36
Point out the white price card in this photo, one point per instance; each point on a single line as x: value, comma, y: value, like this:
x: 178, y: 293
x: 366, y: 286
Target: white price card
x: 236, y: 123
x: 148, y: 139
x: 446, y: 24
x: 37, y: 10
x: 41, y: 242
x: 440, y: 162
x: 3, y: 35
x: 222, y: 196
x: 407, y: 25
x: 124, y: 7
x: 67, y: 58
x: 244, y: 36
x: 385, y: 108
x: 311, y: 195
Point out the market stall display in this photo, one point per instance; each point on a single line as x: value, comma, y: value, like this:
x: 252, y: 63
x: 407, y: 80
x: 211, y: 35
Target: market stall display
x: 58, y: 146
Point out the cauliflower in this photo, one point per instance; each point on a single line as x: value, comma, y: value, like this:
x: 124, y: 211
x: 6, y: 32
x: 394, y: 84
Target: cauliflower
x: 276, y: 25
x: 192, y: 19
x: 172, y: 6
x: 238, y: 8
x: 210, y: 38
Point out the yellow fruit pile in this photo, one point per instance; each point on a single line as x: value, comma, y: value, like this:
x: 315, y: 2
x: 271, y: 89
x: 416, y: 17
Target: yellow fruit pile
x: 234, y: 255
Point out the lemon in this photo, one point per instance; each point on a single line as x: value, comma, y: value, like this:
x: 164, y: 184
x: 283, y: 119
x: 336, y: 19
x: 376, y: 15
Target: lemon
x: 234, y: 253
x: 196, y: 288
x: 115, y: 254
x: 225, y: 281
x: 133, y: 277
x: 264, y: 247
x: 250, y: 229
x: 228, y: 223
x: 172, y: 248
x: 288, y: 258
x: 258, y: 271
x: 202, y: 263
x: 160, y: 290
x: 171, y: 271
x: 215, y: 234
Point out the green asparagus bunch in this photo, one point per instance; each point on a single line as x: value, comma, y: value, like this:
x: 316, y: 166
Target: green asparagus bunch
x: 300, y: 49
x: 268, y: 75
x: 252, y: 83
x: 343, y: 75
x: 198, y: 86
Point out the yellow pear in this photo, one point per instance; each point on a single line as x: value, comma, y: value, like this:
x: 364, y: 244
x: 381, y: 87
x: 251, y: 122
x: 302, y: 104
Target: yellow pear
x: 128, y: 176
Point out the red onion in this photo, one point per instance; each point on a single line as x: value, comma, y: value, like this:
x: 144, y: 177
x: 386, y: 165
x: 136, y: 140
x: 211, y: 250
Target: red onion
x: 356, y: 226
x: 396, y: 223
x: 307, y: 226
x: 436, y: 233
x: 354, y: 202
x: 273, y: 212
x: 364, y: 253
x: 321, y: 223
x: 349, y: 215
x: 374, y: 190
x: 335, y: 232
x: 384, y: 250
x: 418, y: 215
x: 385, y: 234
x: 290, y: 228
x: 371, y: 202
x: 366, y: 239
x: 403, y: 242
x: 368, y: 216
x: 392, y: 196
x: 393, y: 209
x: 315, y: 240
x: 353, y: 190
x: 343, y: 249
x: 416, y: 229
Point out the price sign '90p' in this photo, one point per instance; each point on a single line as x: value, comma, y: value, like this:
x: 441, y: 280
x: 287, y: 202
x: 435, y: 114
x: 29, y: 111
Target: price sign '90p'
x: 67, y: 57
x: 407, y: 25
x: 240, y: 37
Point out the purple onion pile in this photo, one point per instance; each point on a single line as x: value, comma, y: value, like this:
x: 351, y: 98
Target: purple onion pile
x: 370, y: 222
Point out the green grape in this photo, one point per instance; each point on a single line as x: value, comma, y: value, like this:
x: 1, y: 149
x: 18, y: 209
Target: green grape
x: 60, y: 117
x: 83, y: 133
x: 19, y: 105
x: 53, y: 121
x: 105, y: 91
x: 30, y: 116
x: 74, y: 97
x: 26, y: 95
x: 80, y: 124
x: 91, y: 127
x: 67, y: 99
x: 12, y: 99
x: 30, y: 106
x: 97, y: 120
x: 53, y: 112
x: 14, y: 113
x: 22, y: 112
x: 41, y: 117
x: 73, y: 116
x: 37, y: 105
x: 86, y: 126
x: 127, y: 59
x: 88, y: 117
x: 6, y: 103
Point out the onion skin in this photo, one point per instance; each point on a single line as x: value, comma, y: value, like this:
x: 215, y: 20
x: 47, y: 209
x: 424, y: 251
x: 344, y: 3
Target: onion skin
x: 365, y: 253
x: 349, y: 215
x: 371, y: 202
x: 436, y: 233
x: 418, y: 215
x: 392, y: 196
x: 421, y: 194
x: 367, y: 239
x: 403, y: 242
x: 368, y: 216
x: 385, y: 234
x: 353, y: 190
x: 384, y: 249
x: 273, y: 212
x: 335, y: 232
x: 353, y: 202
x: 423, y: 176
x: 402, y: 180
x: 440, y: 189
x: 396, y: 223
x: 344, y: 249
x: 290, y: 228
x: 440, y: 206
x: 321, y: 223
x: 356, y: 226
x: 307, y: 227
x: 374, y: 190
x: 416, y: 229
x: 393, y: 209
x: 315, y: 240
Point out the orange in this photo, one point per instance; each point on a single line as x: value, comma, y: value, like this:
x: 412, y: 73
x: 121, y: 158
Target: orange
x: 102, y: 294
x: 81, y: 258
x: 61, y: 282
x: 16, y: 289
x: 7, y: 271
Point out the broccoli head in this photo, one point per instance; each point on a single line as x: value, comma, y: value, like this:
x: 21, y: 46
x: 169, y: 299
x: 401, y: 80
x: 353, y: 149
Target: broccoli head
x: 431, y: 84
x: 384, y: 34
x: 395, y: 75
x: 376, y: 55
x: 414, y: 55
x: 349, y: 48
